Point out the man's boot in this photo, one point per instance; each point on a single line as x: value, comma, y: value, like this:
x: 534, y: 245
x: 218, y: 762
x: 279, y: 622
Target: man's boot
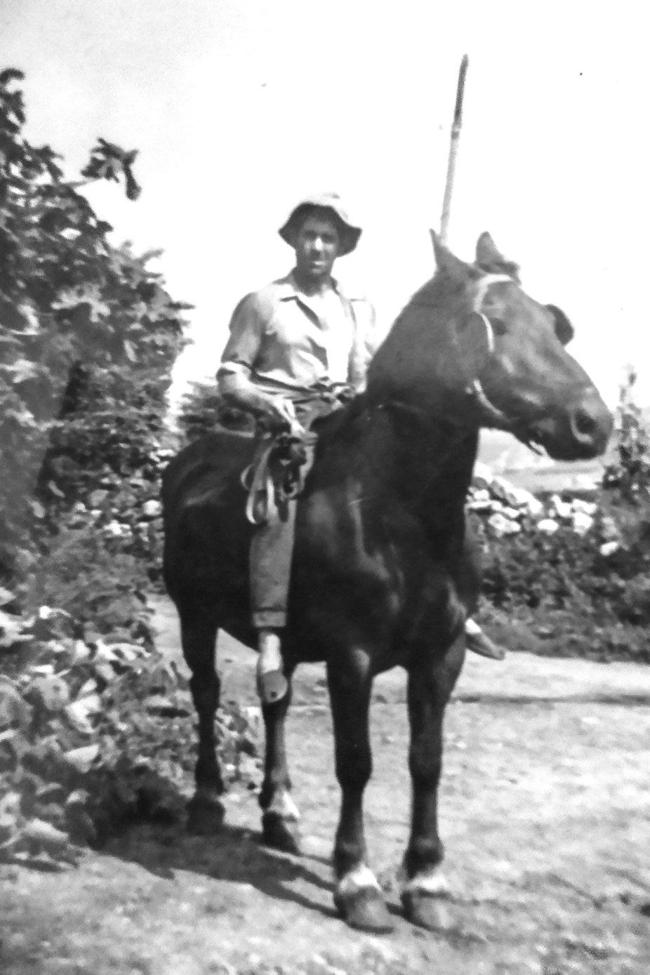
x: 271, y: 683
x: 478, y: 642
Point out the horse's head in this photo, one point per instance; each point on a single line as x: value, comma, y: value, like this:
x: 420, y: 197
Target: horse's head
x: 472, y: 347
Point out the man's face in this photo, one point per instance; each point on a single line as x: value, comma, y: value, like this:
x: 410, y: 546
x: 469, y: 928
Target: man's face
x: 317, y: 246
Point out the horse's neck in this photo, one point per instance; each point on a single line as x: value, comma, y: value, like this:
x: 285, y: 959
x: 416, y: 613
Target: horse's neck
x: 434, y: 463
x: 427, y: 467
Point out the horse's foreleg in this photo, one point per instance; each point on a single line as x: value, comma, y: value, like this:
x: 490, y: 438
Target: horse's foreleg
x: 280, y: 816
x: 428, y: 693
x: 357, y: 895
x: 198, y: 635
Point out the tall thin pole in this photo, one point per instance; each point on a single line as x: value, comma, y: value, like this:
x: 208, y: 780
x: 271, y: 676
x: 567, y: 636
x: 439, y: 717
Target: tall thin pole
x: 453, y: 148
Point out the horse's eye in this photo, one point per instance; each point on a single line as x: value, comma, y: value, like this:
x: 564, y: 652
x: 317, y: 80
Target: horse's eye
x: 499, y: 327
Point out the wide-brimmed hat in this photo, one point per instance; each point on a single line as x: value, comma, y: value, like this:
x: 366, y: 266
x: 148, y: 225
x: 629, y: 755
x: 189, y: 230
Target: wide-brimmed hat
x: 348, y: 233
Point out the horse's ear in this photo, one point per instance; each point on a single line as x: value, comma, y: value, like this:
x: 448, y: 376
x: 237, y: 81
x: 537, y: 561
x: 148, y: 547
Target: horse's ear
x: 445, y: 260
x: 489, y: 258
x: 563, y: 327
x: 487, y: 253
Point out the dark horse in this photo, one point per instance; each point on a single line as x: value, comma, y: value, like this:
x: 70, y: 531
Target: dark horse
x: 383, y: 572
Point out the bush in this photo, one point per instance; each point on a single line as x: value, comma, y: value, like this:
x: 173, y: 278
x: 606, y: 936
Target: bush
x: 584, y: 593
x: 629, y: 475
x: 203, y: 408
x: 95, y: 727
x: 580, y: 596
x: 94, y: 734
x: 88, y: 336
x: 89, y: 578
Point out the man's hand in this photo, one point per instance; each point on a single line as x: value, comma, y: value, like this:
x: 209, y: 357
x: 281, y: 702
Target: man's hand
x: 281, y: 415
x: 273, y: 412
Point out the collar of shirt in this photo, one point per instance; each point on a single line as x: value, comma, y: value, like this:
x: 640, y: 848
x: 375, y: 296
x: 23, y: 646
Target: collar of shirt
x: 288, y: 289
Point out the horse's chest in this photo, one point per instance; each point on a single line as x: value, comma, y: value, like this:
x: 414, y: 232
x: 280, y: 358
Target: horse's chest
x: 383, y: 554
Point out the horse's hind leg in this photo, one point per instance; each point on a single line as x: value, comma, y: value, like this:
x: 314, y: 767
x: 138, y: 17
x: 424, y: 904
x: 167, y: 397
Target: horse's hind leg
x: 280, y: 816
x: 357, y: 896
x: 428, y: 692
x: 198, y: 636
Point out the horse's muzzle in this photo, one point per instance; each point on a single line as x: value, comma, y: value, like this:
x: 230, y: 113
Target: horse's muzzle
x: 580, y: 431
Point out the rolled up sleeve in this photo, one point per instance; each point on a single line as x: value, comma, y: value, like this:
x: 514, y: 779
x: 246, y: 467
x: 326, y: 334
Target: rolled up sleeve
x: 245, y: 340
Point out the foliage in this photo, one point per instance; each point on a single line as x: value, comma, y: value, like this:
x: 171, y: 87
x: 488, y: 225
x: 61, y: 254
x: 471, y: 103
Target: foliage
x: 88, y: 334
x: 630, y: 473
x: 94, y: 726
x: 108, y: 161
x: 94, y: 734
x: 202, y: 408
x: 585, y: 594
x: 582, y: 593
x: 86, y: 575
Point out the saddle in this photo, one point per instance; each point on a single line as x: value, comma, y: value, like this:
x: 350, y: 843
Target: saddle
x: 282, y: 459
x: 275, y: 476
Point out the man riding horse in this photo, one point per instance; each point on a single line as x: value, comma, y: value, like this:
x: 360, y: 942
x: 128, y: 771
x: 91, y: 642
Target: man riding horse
x: 385, y: 576
x: 298, y: 349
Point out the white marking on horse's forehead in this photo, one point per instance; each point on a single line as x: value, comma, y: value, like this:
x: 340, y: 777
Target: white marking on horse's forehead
x: 484, y: 284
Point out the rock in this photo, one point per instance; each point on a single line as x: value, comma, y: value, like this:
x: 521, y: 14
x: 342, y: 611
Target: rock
x: 609, y: 530
x: 501, y: 525
x: 82, y: 758
x: 152, y: 508
x: 585, y: 507
x: 97, y: 497
x: 481, y: 507
x: 513, y: 514
x: 52, y: 622
x: 581, y: 522
x: 14, y: 710
x: 534, y: 507
x: 547, y: 525
x: 561, y: 508
x: 513, y: 496
x: 481, y: 494
x: 482, y: 477
x: 608, y: 548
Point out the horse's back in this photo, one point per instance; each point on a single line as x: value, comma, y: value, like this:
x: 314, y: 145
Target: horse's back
x: 206, y: 532
x: 211, y: 460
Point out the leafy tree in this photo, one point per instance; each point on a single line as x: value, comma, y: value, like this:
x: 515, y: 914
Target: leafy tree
x: 88, y: 334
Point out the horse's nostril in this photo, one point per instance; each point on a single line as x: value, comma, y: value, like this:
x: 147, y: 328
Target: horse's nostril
x: 584, y: 426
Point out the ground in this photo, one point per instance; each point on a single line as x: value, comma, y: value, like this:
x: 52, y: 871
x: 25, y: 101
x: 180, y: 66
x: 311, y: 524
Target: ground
x: 544, y: 812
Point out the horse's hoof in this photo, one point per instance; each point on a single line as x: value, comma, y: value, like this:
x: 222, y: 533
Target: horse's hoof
x: 365, y: 910
x: 204, y: 815
x: 425, y: 910
x: 281, y: 834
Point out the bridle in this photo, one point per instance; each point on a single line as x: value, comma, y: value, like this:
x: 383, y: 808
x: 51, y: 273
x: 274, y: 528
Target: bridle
x: 488, y: 412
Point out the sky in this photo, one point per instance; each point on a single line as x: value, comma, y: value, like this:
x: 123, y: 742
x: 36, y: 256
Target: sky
x: 240, y: 107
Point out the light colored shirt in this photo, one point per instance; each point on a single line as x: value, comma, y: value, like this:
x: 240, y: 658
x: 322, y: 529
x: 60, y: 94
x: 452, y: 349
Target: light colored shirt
x: 280, y: 337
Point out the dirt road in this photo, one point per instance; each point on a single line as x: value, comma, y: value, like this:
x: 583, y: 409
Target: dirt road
x: 545, y: 813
